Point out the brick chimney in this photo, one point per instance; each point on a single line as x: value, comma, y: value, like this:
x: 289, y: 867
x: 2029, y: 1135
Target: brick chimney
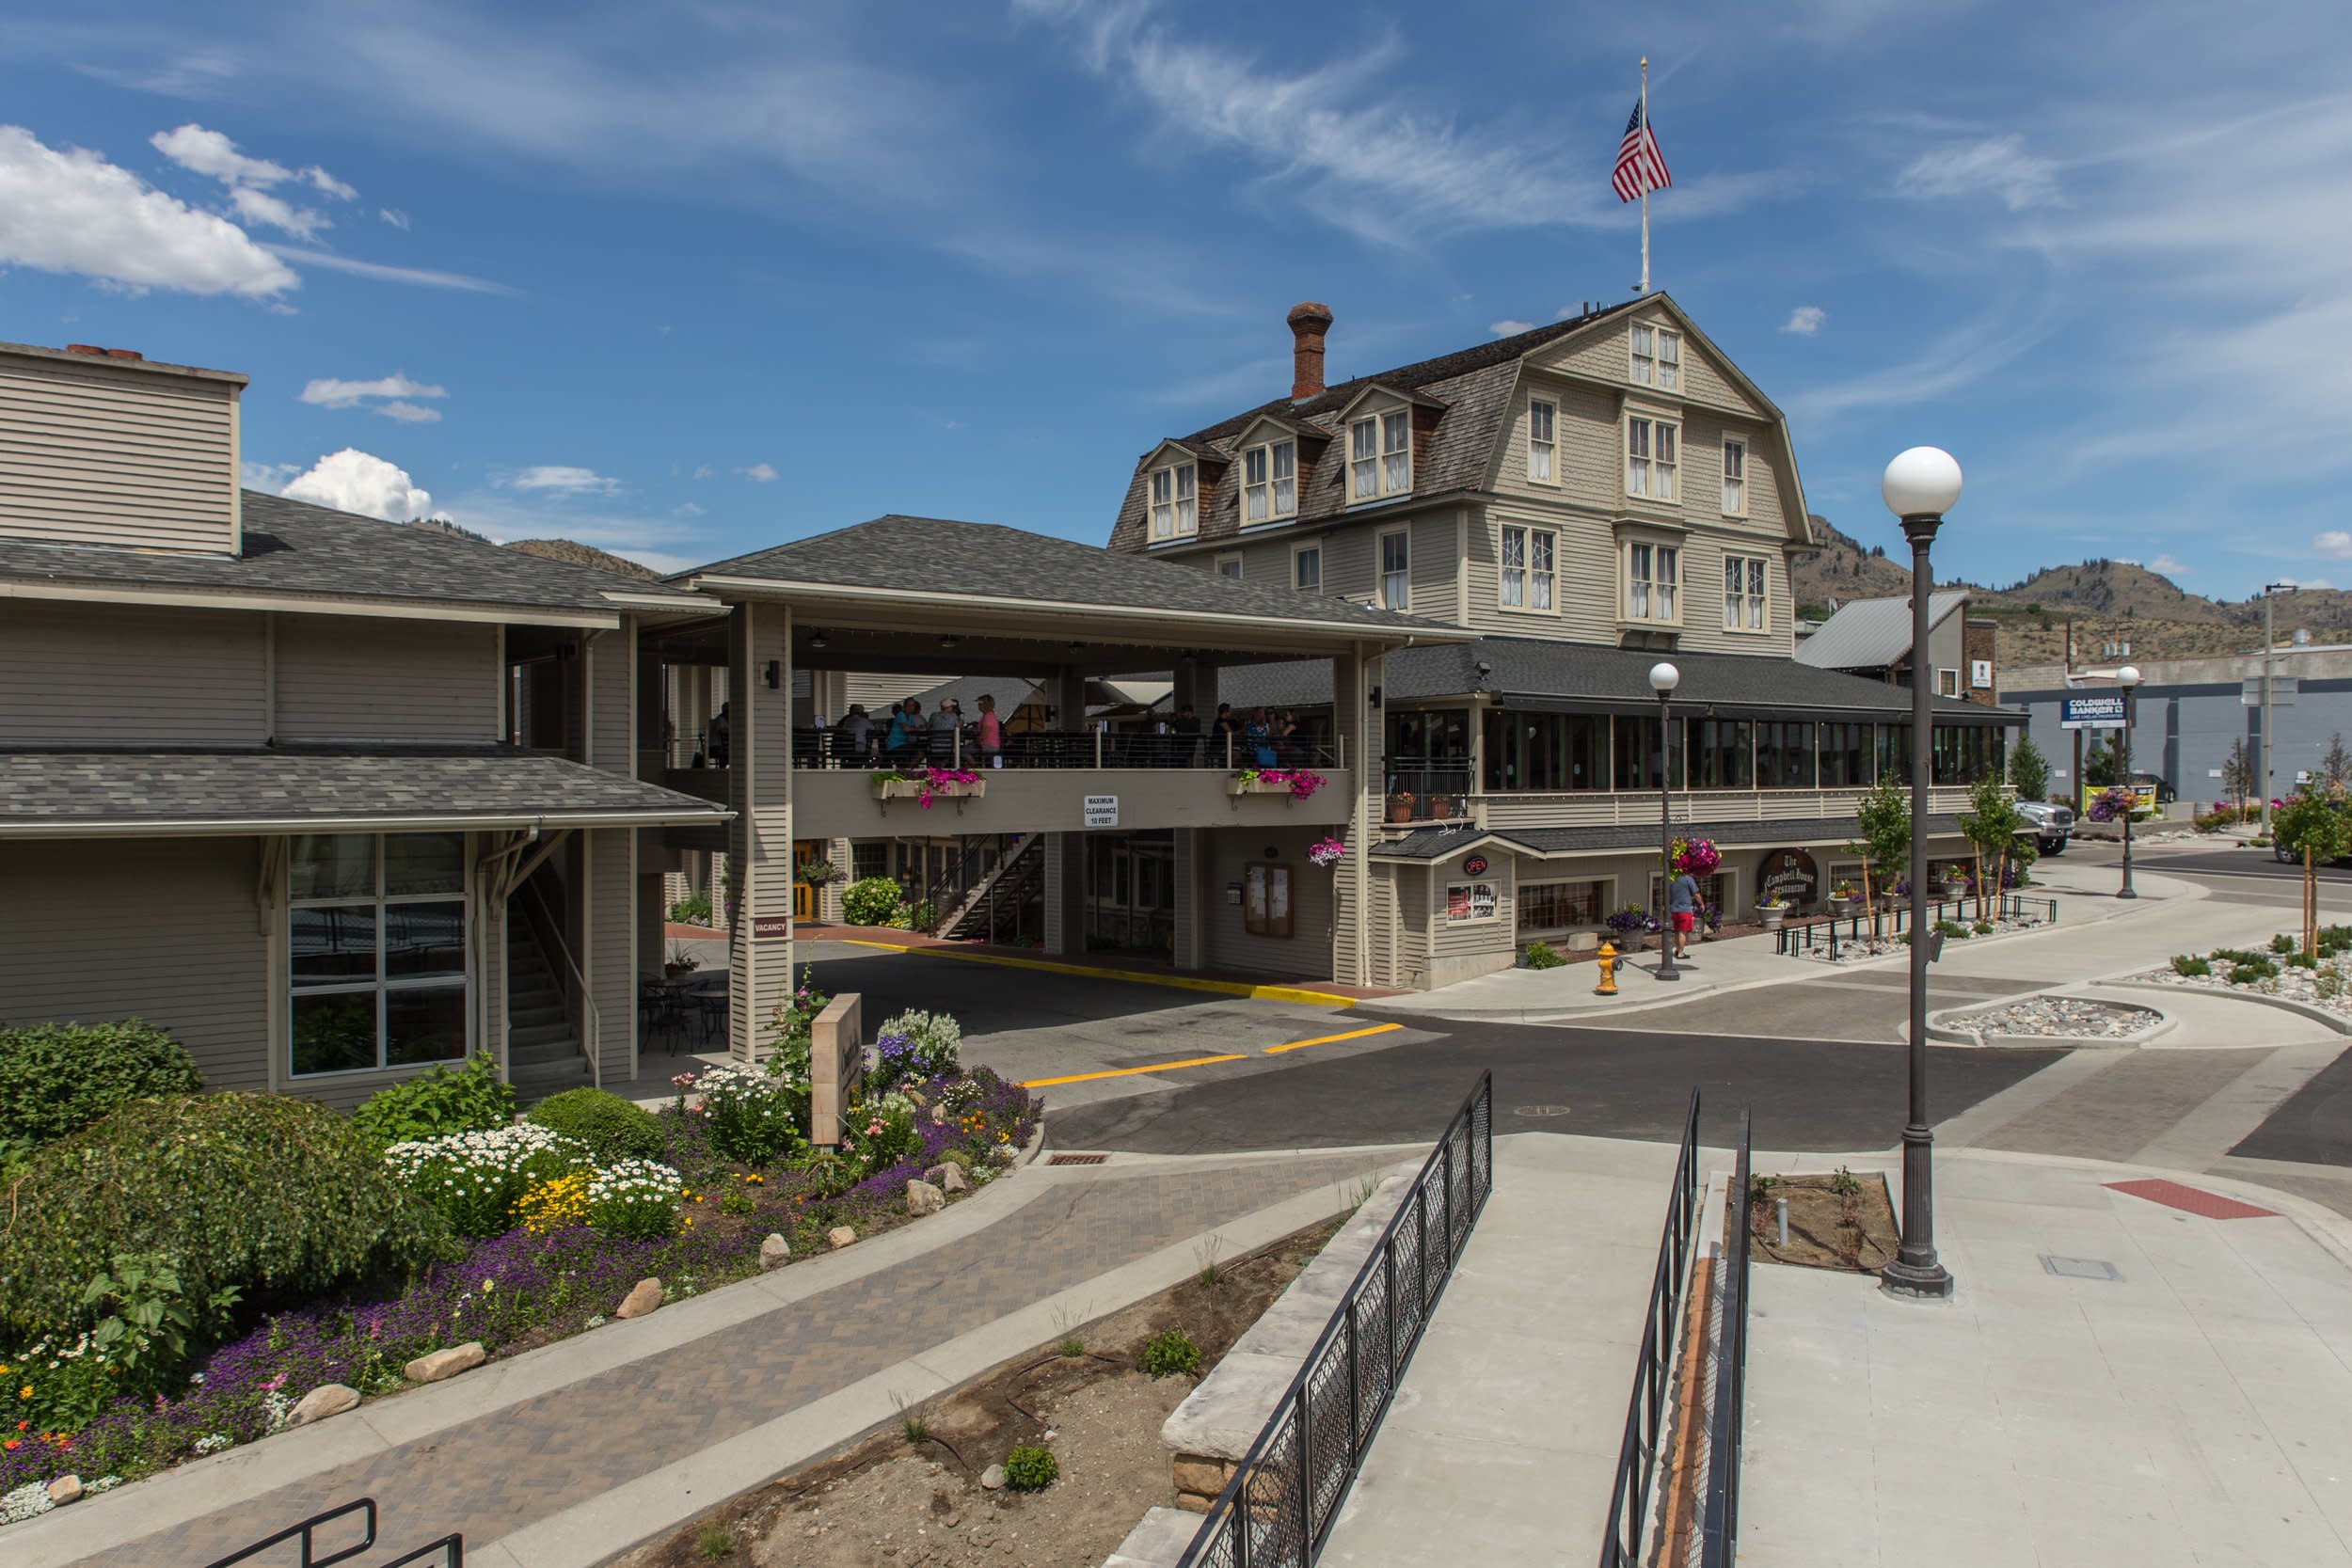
x: 1308, y: 323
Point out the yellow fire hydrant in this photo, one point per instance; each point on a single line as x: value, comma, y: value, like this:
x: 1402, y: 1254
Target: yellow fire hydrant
x: 1608, y: 986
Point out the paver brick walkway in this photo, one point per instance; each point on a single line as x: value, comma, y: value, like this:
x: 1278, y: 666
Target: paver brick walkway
x: 511, y: 1467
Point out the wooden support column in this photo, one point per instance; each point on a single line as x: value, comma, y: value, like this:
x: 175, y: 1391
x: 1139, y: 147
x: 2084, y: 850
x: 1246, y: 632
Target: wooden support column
x: 759, y: 770
x: 1357, y: 726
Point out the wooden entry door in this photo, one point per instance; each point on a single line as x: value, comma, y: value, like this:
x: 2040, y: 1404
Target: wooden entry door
x: 803, y: 895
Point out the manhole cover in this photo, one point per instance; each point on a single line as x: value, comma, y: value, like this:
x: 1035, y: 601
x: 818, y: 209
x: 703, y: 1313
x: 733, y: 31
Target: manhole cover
x: 1074, y: 1159
x: 2080, y: 1268
x: 1539, y: 1110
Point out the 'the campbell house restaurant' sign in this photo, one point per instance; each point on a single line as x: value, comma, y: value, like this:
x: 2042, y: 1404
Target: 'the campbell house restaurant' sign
x: 1791, y: 874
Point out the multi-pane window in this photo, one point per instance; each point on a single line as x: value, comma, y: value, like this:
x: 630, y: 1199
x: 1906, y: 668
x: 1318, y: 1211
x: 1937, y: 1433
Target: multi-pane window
x: 375, y: 928
x: 1744, y: 577
x: 1306, y: 568
x: 1652, y: 573
x: 1784, y: 754
x: 1561, y: 906
x: 1735, y: 477
x: 1542, y: 449
x: 1397, y: 570
x: 1380, y: 456
x: 1651, y: 458
x: 1657, y: 358
x: 1228, y: 567
x: 1848, y: 755
x: 1266, y: 900
x: 1547, y: 750
x: 1175, y: 501
x: 1528, y: 578
x: 1467, y: 901
x: 1269, y: 481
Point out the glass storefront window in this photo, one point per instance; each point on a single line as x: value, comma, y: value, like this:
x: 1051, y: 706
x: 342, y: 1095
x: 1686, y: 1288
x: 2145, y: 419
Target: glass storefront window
x: 1546, y: 751
x: 375, y: 937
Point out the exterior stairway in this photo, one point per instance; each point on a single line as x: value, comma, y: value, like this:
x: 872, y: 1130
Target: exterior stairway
x: 542, y: 1054
x: 1017, y: 878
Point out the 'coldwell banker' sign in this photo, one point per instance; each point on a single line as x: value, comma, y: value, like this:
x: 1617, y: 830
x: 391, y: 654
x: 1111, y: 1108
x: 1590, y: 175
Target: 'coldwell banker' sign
x: 2091, y: 713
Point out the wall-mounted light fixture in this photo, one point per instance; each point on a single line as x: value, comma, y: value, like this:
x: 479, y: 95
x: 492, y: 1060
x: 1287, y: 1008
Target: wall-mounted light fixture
x: 775, y: 673
x: 1375, y: 696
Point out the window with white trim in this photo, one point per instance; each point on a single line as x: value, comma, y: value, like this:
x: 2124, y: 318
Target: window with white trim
x: 1735, y: 477
x: 1652, y: 573
x: 1744, y: 580
x: 1175, y: 501
x: 1269, y: 481
x: 1380, y: 456
x: 1652, y: 458
x: 1542, y: 447
x: 1230, y: 566
x: 1528, y: 580
x: 1657, y: 357
x: 1306, y: 568
x: 1948, y: 683
x: 1396, y: 569
x: 375, y: 927
x: 1468, y: 901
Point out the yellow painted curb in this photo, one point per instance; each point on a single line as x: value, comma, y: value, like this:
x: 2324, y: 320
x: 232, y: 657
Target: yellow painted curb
x: 1133, y: 976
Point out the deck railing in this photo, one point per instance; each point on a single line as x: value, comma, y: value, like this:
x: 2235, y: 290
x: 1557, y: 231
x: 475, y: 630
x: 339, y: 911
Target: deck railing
x: 1719, y: 1519
x: 1645, y: 1416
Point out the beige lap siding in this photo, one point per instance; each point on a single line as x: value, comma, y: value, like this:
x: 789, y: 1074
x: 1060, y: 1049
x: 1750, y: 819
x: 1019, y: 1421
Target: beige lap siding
x: 1305, y: 954
x: 164, y: 929
x: 76, y: 675
x: 105, y: 455
x: 345, y: 678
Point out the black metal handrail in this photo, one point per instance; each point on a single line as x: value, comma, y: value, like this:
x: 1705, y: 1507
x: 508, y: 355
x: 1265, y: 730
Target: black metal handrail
x: 1646, y: 1416
x: 1277, y: 1509
x: 1718, y: 1522
x: 1831, y: 931
x: 450, y: 1550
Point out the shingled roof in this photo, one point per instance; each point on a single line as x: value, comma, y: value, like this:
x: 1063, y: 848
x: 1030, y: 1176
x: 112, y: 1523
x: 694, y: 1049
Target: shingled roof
x: 293, y: 548
x: 1453, y: 444
x: 940, y: 559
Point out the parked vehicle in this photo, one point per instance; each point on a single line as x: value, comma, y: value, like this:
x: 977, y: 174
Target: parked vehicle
x: 2047, y: 825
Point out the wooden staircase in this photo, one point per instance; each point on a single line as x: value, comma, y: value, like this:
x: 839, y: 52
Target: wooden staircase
x: 543, y: 1052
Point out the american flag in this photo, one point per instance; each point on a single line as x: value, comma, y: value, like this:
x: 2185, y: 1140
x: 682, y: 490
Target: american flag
x: 1640, y: 167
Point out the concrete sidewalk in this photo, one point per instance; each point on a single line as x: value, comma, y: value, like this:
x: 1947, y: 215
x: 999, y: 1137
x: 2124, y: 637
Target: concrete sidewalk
x: 565, y: 1456
x: 2119, y: 1381
x: 1502, y: 1443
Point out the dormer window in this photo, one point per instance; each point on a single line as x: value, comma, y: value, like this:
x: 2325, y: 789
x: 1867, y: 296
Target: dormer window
x: 1381, y: 456
x: 1176, y: 500
x: 1657, y: 358
x: 1269, y: 481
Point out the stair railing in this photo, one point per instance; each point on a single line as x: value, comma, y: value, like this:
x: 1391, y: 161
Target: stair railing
x: 588, y: 1021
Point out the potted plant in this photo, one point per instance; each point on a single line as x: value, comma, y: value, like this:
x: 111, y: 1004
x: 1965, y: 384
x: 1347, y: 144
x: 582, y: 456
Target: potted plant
x: 1297, y: 783
x: 1840, y: 898
x: 1401, y: 806
x: 1772, y: 909
x: 1440, y: 807
x: 680, y: 963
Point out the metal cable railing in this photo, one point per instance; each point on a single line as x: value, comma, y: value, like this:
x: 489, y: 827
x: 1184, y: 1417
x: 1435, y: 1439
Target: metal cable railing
x: 1645, y: 1416
x: 1277, y: 1509
x: 1718, y: 1520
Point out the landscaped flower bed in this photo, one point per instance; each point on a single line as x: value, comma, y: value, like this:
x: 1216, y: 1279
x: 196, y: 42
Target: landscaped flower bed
x: 2316, y: 978
x: 529, y: 1234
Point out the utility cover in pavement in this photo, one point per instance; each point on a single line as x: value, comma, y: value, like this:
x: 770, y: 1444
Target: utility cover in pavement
x: 2213, y: 1206
x: 1539, y: 1111
x: 2080, y: 1268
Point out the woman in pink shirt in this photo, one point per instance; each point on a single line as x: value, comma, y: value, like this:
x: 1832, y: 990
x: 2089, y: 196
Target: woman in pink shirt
x: 992, y: 735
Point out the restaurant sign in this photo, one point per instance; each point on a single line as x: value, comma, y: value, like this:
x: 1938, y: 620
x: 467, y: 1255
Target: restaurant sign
x: 1792, y: 874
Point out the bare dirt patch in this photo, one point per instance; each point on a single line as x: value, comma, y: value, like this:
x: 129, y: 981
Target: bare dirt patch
x: 889, y: 1501
x: 1853, y: 1229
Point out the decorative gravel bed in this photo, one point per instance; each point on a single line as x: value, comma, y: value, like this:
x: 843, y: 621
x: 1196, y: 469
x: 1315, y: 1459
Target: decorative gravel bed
x: 1858, y: 952
x: 2070, y: 1017
x: 2323, y: 988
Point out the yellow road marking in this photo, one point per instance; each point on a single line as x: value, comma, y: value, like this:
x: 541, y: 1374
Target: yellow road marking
x: 1330, y: 1040
x: 1133, y: 976
x: 1125, y: 1071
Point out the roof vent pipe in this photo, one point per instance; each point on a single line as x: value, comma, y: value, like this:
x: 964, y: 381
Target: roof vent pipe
x: 1308, y: 323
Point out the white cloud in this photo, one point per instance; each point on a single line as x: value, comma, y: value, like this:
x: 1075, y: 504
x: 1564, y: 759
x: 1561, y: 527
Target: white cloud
x: 1997, y: 165
x: 758, y: 473
x: 355, y: 480
x: 1507, y: 329
x: 1956, y: 359
x: 562, y: 480
x: 321, y: 181
x: 211, y: 153
x: 409, y: 413
x: 394, y: 217
x: 420, y: 275
x: 2335, y: 543
x: 1805, y: 320
x: 686, y: 509
x: 2169, y: 565
x: 327, y: 392
x: 703, y: 470
x: 262, y: 208
x: 73, y: 212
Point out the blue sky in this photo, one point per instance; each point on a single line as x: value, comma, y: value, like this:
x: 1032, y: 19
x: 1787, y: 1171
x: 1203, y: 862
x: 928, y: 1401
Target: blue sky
x: 685, y: 280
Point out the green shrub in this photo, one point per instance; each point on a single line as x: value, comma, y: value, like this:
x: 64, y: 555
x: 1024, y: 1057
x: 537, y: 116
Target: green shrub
x: 1171, y: 1353
x: 2282, y: 943
x: 918, y: 1044
x: 610, y: 1126
x: 280, y: 1199
x: 873, y: 901
x: 148, y: 1322
x: 467, y: 1099
x: 922, y: 915
x: 754, y: 1118
x: 2238, y: 956
x: 635, y: 1197
x: 475, y: 1180
x: 2184, y: 963
x: 2302, y: 961
x: 58, y: 1078
x: 1953, y: 929
x: 2247, y: 975
x: 2334, y: 940
x: 693, y: 909
x: 1030, y: 1468
x: 1542, y: 955
x: 1982, y: 927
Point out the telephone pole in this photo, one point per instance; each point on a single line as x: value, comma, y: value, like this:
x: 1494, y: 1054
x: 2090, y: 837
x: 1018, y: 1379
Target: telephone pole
x: 2270, y: 640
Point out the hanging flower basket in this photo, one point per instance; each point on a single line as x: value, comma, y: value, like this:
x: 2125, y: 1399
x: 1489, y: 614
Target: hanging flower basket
x: 1697, y: 855
x: 1326, y: 852
x: 931, y: 783
x: 1295, y: 783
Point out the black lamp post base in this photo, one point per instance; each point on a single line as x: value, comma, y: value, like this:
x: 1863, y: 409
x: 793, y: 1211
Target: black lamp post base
x: 2125, y: 893
x: 1926, y: 1281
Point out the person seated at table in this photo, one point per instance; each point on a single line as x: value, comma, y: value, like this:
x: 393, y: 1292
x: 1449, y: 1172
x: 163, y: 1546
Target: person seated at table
x: 945, y: 724
x: 1258, y: 739
x: 906, y: 731
x: 855, y: 741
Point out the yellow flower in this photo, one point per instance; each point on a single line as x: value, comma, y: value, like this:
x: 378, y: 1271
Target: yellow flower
x: 25, y: 1392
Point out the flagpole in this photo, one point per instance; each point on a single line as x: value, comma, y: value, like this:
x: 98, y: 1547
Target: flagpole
x: 1645, y: 179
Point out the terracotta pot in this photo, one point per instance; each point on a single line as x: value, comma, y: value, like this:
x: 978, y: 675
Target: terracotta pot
x: 1441, y: 808
x: 1401, y: 809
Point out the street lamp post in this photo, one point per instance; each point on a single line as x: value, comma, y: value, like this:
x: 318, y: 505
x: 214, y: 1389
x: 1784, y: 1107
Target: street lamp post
x: 1663, y: 678
x: 2270, y: 637
x: 1919, y: 487
x: 2128, y: 678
